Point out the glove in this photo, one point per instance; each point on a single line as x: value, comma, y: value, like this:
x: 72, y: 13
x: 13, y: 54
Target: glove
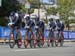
x: 10, y: 24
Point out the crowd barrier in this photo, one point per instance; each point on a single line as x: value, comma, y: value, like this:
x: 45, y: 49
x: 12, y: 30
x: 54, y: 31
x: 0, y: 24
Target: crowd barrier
x: 5, y: 32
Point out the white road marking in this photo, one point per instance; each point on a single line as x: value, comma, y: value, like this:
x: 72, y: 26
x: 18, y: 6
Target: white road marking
x: 25, y: 50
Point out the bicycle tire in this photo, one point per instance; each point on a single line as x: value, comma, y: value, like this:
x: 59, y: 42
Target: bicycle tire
x: 11, y: 41
x: 26, y: 41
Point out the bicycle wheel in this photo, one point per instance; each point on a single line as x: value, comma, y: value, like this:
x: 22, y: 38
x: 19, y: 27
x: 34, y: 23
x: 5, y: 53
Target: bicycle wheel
x: 52, y: 43
x: 31, y: 41
x: 56, y: 42
x: 38, y: 41
x: 61, y: 43
x: 48, y: 42
x: 19, y: 40
x: 34, y: 41
x: 57, y: 39
x: 11, y: 41
x: 19, y: 43
x: 42, y: 40
x: 26, y: 42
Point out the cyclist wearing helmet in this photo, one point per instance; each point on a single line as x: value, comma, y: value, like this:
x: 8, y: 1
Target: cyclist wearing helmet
x: 39, y: 23
x: 40, y: 30
x: 29, y: 25
x: 42, y: 27
x: 52, y: 24
x: 60, y: 25
x: 60, y: 28
x: 52, y: 27
x: 29, y: 22
x: 15, y: 22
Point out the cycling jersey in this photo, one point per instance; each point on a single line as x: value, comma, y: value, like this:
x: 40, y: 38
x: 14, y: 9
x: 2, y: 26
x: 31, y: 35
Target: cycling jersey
x: 52, y: 25
x: 15, y: 19
x: 60, y: 26
x: 41, y: 25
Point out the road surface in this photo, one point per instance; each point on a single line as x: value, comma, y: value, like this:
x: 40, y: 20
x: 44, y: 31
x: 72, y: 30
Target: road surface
x: 67, y: 50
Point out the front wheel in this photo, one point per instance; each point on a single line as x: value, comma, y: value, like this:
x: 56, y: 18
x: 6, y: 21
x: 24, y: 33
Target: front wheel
x: 61, y: 43
x: 11, y: 41
x: 31, y: 40
x: 19, y: 43
x: 42, y: 40
x: 48, y: 42
x: 56, y: 42
x: 26, y: 42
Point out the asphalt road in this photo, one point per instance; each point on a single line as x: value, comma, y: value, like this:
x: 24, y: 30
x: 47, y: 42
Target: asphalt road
x: 67, y: 50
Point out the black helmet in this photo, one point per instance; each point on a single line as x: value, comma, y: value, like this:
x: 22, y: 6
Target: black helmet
x: 57, y: 20
x: 12, y: 13
x: 28, y: 18
x: 37, y: 19
x: 51, y: 19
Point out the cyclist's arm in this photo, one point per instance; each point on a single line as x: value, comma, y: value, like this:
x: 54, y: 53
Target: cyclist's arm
x: 16, y: 20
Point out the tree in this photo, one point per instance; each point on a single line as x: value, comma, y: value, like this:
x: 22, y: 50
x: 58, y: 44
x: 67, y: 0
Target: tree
x: 51, y: 10
x: 33, y: 4
x: 64, y: 9
x: 8, y: 6
x: 65, y: 6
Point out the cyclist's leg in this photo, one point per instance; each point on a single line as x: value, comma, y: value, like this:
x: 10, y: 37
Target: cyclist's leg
x: 48, y: 41
x: 37, y: 36
x: 31, y: 37
x: 12, y: 30
x: 19, y: 33
x: 62, y: 37
x: 52, y: 38
x: 18, y: 36
x: 42, y: 37
x: 11, y: 37
x: 26, y: 40
x: 57, y: 38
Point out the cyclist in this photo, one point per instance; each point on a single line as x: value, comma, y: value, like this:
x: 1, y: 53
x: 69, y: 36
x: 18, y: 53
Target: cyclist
x: 52, y: 27
x: 15, y: 21
x: 40, y: 30
x: 60, y: 28
x: 29, y: 27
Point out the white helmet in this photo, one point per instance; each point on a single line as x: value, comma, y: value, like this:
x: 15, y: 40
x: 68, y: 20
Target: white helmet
x: 16, y: 14
x: 26, y: 16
